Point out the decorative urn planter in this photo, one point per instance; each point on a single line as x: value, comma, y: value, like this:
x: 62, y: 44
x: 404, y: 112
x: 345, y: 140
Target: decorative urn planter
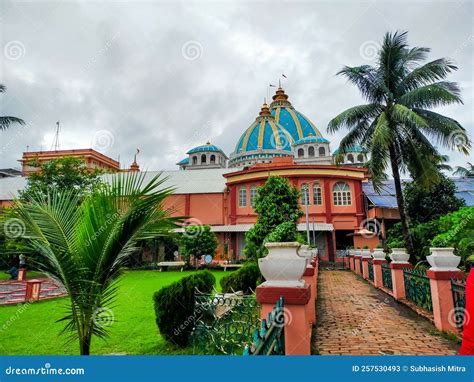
x: 314, y: 252
x: 282, y: 266
x: 399, y: 256
x: 443, y: 259
x: 305, y: 252
x: 358, y: 252
x: 378, y: 254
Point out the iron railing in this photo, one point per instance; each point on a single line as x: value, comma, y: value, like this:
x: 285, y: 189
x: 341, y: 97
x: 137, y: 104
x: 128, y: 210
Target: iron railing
x: 371, y: 270
x: 417, y: 288
x: 458, y: 288
x: 223, y: 323
x: 270, y: 339
x: 387, y: 276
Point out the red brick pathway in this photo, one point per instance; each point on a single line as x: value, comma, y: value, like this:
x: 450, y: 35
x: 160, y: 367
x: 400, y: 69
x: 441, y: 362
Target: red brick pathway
x: 356, y: 318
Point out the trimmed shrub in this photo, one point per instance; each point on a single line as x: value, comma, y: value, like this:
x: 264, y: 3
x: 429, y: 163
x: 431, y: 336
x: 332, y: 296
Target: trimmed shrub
x: 245, y: 279
x: 174, y: 306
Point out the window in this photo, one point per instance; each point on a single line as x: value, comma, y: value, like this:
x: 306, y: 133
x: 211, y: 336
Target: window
x: 341, y: 194
x: 213, y: 158
x: 243, y: 197
x: 350, y: 158
x: 203, y: 158
x: 317, y: 194
x: 195, y: 160
x: 253, y: 195
x: 360, y: 158
x: 300, y: 153
x: 322, y: 152
x: 304, y: 194
x: 311, y: 151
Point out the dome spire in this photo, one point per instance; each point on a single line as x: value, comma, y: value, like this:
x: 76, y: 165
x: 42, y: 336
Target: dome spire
x: 265, y: 110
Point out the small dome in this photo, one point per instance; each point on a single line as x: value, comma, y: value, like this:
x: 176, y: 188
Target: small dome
x: 298, y: 125
x: 205, y: 148
x: 311, y: 139
x: 264, y: 134
x: 352, y: 149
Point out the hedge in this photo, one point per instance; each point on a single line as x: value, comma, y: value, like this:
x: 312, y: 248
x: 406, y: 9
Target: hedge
x: 174, y: 306
x: 245, y: 279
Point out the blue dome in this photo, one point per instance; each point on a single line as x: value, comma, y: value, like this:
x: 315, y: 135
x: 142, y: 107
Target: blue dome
x: 264, y: 134
x: 298, y: 125
x: 352, y: 149
x: 204, y: 148
x: 311, y: 139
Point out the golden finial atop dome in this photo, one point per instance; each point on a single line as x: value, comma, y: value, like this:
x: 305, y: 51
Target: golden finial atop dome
x: 265, y: 110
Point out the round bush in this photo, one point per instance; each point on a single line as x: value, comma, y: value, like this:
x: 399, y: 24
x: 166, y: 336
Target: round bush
x: 245, y: 279
x: 174, y: 306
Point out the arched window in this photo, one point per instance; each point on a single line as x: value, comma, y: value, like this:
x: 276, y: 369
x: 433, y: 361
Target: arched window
x: 360, y: 158
x: 350, y: 158
x: 311, y: 151
x: 322, y: 152
x: 195, y: 160
x: 213, y: 159
x: 341, y: 194
x: 243, y: 197
x: 304, y: 194
x: 203, y: 158
x: 317, y: 194
x: 300, y: 153
x: 253, y: 195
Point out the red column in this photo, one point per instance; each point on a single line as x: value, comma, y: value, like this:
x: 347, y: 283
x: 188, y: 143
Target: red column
x: 233, y: 205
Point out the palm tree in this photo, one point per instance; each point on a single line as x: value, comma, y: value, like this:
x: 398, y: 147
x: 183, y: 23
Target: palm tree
x: 396, y: 122
x: 83, y: 243
x: 467, y: 171
x: 6, y: 121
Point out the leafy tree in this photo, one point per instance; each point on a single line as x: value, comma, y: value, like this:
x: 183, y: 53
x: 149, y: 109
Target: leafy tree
x: 276, y: 202
x: 425, y: 204
x: 6, y: 121
x: 467, y: 171
x: 83, y: 241
x: 62, y: 174
x: 396, y: 123
x: 198, y: 240
x: 457, y: 230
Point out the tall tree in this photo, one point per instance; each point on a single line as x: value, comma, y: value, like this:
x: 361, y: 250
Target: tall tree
x: 82, y: 242
x: 6, y: 121
x: 396, y: 124
x: 467, y: 171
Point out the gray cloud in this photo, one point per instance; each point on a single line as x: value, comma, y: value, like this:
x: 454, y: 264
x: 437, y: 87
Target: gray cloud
x: 120, y: 67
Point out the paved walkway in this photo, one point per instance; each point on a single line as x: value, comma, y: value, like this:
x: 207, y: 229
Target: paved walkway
x: 356, y: 318
x: 13, y: 292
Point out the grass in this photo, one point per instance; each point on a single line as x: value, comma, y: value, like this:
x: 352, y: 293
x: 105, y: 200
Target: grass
x: 32, y: 329
x: 30, y: 275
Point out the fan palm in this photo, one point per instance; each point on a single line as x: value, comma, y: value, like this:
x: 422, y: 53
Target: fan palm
x: 467, y: 171
x: 396, y: 123
x: 83, y: 243
x: 6, y: 121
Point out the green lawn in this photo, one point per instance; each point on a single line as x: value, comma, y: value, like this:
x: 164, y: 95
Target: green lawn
x: 33, y: 330
x: 30, y: 275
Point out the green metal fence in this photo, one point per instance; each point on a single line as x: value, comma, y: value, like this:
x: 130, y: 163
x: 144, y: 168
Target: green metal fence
x: 417, y: 288
x: 270, y: 339
x: 371, y: 270
x: 458, y: 288
x: 387, y: 276
x: 224, y: 322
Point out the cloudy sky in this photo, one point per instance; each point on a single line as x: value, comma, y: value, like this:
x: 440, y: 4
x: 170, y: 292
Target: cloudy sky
x: 167, y: 76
